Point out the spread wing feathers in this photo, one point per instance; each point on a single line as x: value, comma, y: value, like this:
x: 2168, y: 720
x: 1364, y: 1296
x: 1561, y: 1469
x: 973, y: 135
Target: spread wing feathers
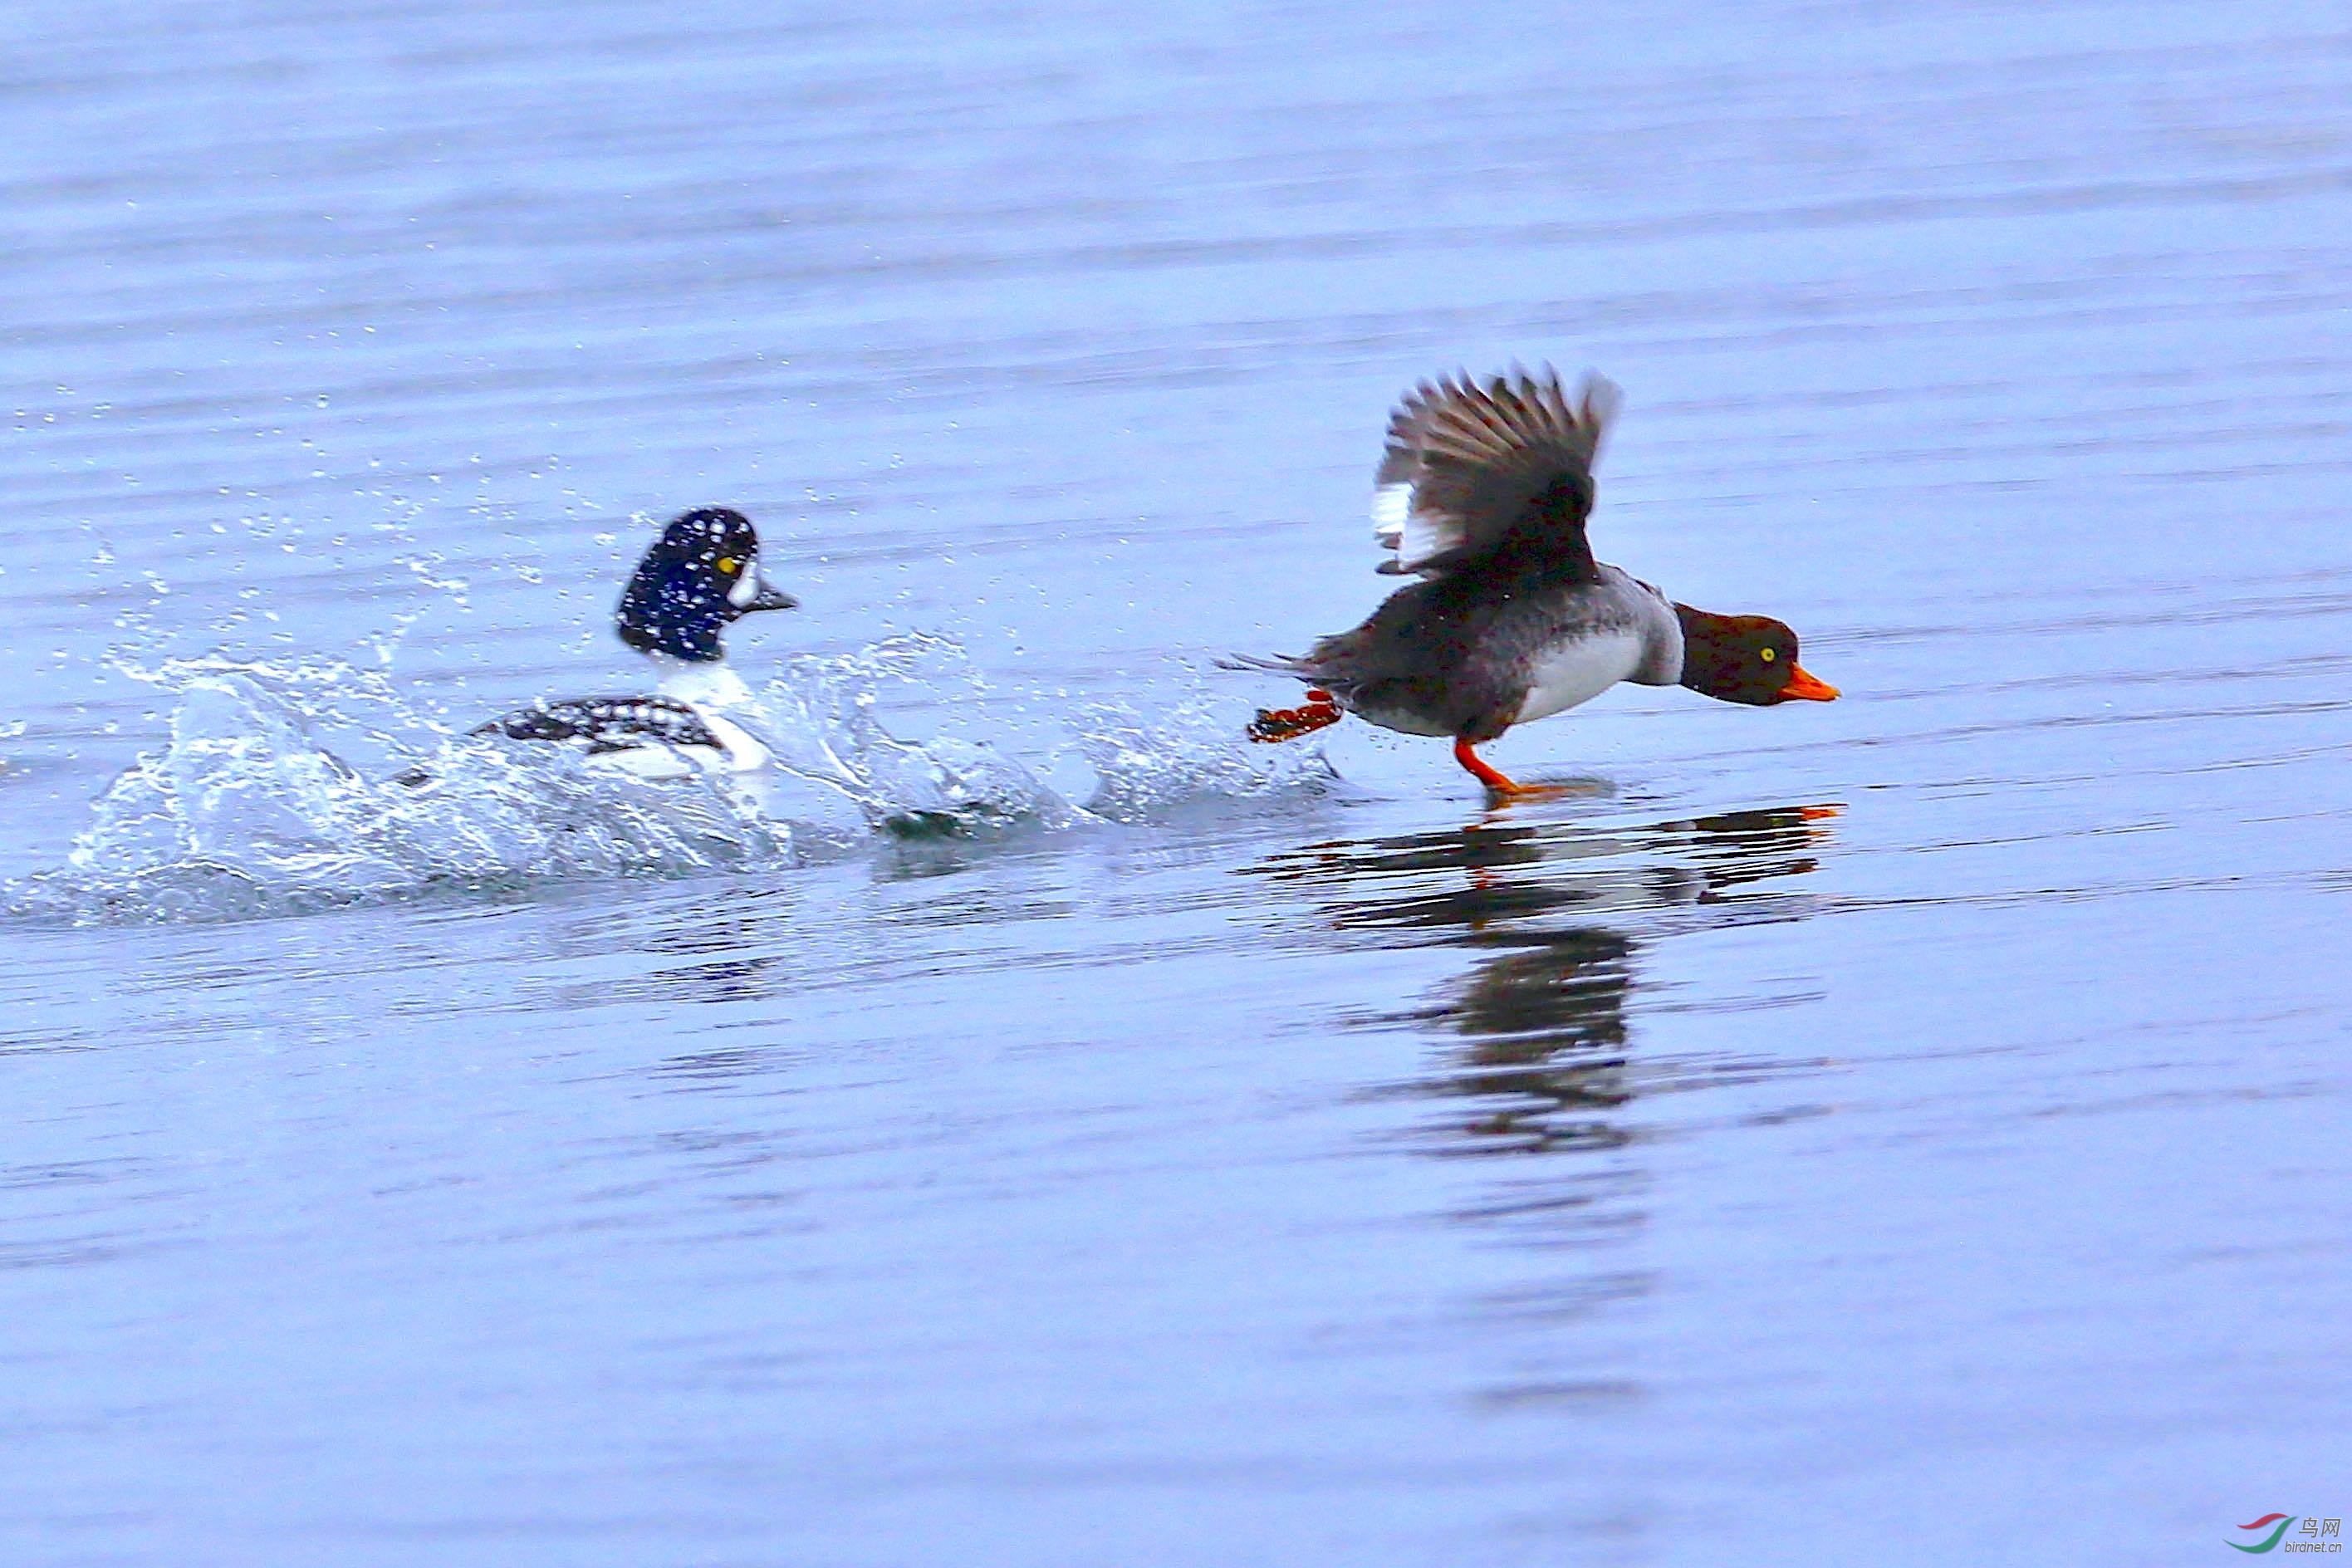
x: 602, y: 724
x: 1470, y: 464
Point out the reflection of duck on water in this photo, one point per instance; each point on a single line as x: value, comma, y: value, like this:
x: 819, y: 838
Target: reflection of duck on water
x: 1543, y: 1008
x: 1545, y: 1061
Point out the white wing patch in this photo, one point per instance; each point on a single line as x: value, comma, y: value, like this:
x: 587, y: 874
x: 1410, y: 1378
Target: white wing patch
x: 1427, y: 534
x: 1392, y: 504
x: 1415, y: 535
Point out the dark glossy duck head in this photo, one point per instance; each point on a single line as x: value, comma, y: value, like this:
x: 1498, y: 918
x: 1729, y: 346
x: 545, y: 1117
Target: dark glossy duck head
x: 1745, y: 658
x: 700, y: 574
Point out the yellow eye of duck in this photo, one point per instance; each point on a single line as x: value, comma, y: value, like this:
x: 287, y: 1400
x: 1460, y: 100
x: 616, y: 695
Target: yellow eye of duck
x: 727, y: 564
x: 1768, y: 656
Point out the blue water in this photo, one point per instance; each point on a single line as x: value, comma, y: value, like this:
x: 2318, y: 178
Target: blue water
x: 1909, y: 1129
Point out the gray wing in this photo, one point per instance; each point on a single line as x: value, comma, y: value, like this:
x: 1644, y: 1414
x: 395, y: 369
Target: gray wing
x: 1471, y: 466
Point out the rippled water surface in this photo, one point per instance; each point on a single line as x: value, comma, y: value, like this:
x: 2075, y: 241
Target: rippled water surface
x: 1911, y: 1129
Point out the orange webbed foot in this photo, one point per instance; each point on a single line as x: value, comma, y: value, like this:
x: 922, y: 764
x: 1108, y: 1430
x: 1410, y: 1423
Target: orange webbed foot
x: 1277, y: 724
x: 1532, y: 792
x: 1500, y: 786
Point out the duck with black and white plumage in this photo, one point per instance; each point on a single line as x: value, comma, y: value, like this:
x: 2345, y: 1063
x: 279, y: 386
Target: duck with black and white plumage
x: 698, y: 578
x: 803, y: 748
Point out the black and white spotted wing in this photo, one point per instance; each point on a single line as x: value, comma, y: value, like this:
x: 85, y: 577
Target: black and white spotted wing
x: 606, y: 724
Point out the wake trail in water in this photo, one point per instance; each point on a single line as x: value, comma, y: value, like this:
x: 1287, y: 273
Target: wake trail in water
x: 287, y: 786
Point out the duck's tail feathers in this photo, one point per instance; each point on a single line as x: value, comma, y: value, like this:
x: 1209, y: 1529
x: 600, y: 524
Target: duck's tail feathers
x: 1269, y: 664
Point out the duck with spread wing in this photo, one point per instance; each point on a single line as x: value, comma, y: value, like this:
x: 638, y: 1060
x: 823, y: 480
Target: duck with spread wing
x: 1484, y: 493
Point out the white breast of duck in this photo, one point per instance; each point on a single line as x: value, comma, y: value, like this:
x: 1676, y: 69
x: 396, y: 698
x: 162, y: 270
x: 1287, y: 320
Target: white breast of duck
x: 1614, y: 628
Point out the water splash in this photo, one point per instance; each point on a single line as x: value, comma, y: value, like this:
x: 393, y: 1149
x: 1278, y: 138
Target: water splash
x: 825, y: 724
x: 1187, y: 755
x: 302, y: 785
x: 248, y: 811
x: 821, y: 722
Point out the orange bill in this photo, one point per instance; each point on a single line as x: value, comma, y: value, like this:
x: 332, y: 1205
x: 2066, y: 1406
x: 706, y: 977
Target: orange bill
x: 1807, y: 687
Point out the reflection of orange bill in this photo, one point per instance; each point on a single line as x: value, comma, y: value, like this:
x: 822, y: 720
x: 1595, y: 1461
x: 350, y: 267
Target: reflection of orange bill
x: 1819, y: 813
x: 1807, y: 687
